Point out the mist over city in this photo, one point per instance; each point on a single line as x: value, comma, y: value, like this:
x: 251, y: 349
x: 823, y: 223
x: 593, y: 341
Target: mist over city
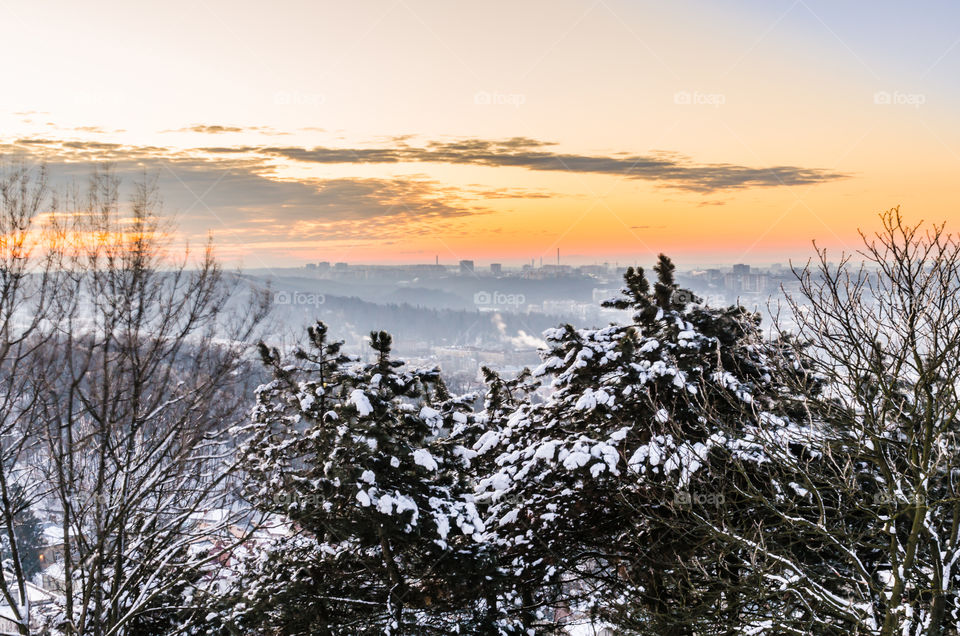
x: 464, y: 316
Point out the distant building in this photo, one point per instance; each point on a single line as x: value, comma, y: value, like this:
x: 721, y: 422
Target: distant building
x: 741, y: 268
x: 594, y: 270
x: 754, y: 283
x: 36, y: 597
x: 466, y: 267
x: 311, y: 266
x: 733, y: 283
x: 556, y: 270
x: 496, y: 269
x: 340, y: 267
x: 323, y: 266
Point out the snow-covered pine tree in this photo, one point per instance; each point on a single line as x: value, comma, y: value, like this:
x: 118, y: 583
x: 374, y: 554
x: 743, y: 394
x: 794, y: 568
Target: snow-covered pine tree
x: 362, y: 464
x: 597, y: 497
x: 28, y: 534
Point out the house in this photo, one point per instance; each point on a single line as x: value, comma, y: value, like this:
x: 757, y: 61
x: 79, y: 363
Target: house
x: 52, y: 550
x: 36, y: 595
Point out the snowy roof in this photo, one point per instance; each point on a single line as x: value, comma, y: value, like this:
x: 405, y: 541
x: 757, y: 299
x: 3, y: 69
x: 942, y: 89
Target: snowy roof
x: 36, y: 594
x: 53, y: 534
x: 55, y: 571
x: 587, y: 628
x: 216, y: 515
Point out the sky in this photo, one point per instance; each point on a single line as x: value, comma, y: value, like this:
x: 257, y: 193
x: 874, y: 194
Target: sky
x: 403, y: 131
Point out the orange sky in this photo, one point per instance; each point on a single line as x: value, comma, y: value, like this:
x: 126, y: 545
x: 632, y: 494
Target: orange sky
x: 400, y: 131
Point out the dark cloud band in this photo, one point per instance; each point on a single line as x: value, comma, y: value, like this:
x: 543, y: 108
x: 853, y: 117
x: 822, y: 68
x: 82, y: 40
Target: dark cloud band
x: 670, y: 170
x: 236, y: 187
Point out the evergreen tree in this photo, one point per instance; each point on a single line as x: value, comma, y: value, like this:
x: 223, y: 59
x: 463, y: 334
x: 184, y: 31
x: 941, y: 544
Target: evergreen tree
x: 28, y: 533
x: 364, y: 465
x: 678, y: 474
x: 602, y: 497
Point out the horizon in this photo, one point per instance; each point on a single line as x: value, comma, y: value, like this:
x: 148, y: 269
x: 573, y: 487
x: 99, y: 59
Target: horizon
x: 482, y: 267
x: 391, y: 133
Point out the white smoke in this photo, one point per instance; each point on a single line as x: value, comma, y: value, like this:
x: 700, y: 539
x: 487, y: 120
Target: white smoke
x: 522, y: 340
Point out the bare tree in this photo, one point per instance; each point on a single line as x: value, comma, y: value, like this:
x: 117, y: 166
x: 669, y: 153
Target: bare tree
x: 28, y: 290
x: 853, y: 519
x: 136, y: 405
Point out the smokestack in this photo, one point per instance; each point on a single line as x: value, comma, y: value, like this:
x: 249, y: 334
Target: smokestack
x: 558, y: 257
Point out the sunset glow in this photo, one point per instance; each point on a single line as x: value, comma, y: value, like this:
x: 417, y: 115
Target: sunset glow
x: 413, y: 131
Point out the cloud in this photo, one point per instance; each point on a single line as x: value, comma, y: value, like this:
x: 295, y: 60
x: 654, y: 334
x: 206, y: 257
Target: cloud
x: 670, y: 170
x: 507, y: 193
x: 663, y: 168
x: 242, y: 196
x: 237, y: 190
x: 215, y: 129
